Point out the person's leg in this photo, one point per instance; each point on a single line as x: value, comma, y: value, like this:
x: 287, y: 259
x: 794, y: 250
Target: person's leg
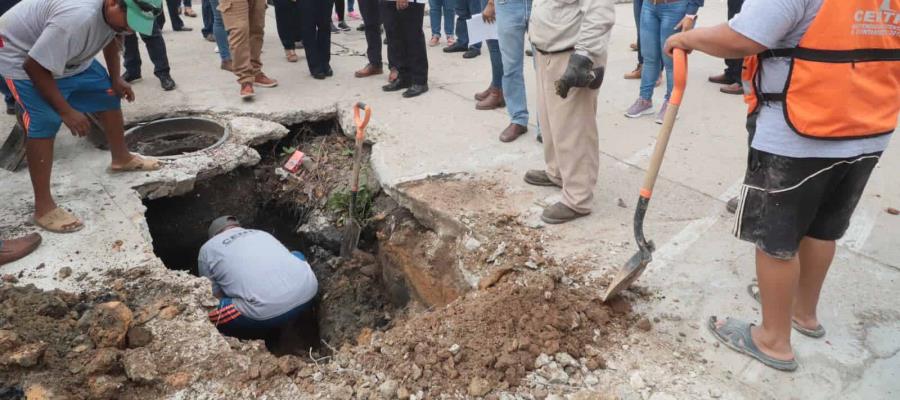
x: 473, y: 7
x: 637, y: 6
x: 324, y: 34
x: 815, y: 259
x: 447, y: 12
x: 461, y: 9
x: 777, y: 288
x: 399, y: 44
x: 391, y: 31
x: 435, y: 11
x: 156, y: 48
x: 173, y: 5
x: 496, y: 64
x: 257, y: 20
x: 418, y: 55
x: 236, y: 17
x: 669, y: 16
x: 206, y: 13
x: 371, y: 15
x: 220, y: 32
x: 512, y: 24
x: 339, y: 10
x: 132, y: 56
x: 545, y: 91
x: 733, y: 66
x: 577, y: 141
x: 39, y: 153
x: 309, y: 27
x: 284, y: 23
x: 650, y: 49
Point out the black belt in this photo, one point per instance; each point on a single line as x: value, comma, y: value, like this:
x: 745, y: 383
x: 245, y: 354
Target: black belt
x: 546, y: 53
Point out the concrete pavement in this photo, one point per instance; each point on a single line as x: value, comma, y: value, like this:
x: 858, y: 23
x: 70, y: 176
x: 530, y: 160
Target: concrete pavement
x: 700, y: 269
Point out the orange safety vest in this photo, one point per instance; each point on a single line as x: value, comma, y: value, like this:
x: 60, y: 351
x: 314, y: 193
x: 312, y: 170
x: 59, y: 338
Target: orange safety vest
x: 844, y: 80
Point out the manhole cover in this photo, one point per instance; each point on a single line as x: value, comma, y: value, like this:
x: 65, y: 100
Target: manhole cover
x: 172, y: 137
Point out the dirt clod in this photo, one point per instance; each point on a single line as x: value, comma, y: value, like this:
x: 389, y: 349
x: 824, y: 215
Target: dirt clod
x: 104, y: 361
x: 64, y: 273
x: 25, y: 356
x: 108, y: 324
x: 139, y: 336
x: 479, y: 387
x: 644, y: 325
x: 104, y: 387
x: 139, y: 366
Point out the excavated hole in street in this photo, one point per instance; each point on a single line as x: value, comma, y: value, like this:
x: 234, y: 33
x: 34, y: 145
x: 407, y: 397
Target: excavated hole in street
x: 352, y: 296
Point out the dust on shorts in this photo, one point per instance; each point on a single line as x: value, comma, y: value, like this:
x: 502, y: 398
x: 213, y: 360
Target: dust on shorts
x: 88, y: 92
x: 785, y: 199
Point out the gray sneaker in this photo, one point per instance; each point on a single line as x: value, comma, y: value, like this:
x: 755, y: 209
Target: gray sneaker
x: 662, y: 113
x: 639, y: 108
x: 538, y: 178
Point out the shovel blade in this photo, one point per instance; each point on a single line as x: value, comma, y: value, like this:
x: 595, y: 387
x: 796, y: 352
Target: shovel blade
x: 628, y: 274
x: 350, y: 239
x: 12, y: 153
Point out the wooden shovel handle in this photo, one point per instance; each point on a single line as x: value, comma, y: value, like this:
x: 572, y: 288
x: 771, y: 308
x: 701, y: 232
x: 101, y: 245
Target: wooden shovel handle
x: 662, y: 141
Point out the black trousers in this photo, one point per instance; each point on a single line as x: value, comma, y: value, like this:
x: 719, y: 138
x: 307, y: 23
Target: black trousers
x: 288, y: 20
x: 733, y: 66
x: 371, y: 15
x: 339, y: 6
x: 407, y: 43
x: 316, y: 30
x: 156, y: 48
x: 177, y: 23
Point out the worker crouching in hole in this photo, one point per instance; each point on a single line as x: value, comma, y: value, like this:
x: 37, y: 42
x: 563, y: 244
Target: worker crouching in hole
x: 266, y: 291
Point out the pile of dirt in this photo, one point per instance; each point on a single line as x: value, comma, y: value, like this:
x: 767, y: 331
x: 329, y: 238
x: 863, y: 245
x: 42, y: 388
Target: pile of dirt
x: 490, y: 339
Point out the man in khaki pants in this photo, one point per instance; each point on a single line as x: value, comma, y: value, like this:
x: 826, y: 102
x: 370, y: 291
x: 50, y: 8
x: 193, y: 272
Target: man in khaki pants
x: 245, y: 21
x: 571, y: 39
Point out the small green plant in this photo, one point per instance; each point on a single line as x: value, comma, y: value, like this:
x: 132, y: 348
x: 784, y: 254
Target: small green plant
x: 287, y: 150
x: 348, y: 152
x: 339, y: 203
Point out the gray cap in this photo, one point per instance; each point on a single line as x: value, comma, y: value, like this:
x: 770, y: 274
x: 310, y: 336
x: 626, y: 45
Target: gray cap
x: 219, y: 224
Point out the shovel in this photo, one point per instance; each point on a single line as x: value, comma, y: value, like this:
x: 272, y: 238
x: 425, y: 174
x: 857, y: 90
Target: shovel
x: 353, y: 225
x: 638, y: 263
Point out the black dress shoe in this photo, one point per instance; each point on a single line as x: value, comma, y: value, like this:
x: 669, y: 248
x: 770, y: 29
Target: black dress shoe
x: 131, y: 77
x: 361, y: 27
x: 319, y: 75
x: 472, y: 52
x: 415, y: 90
x: 456, y: 48
x: 183, y: 29
x: 329, y: 72
x: 394, y: 86
x: 11, y: 109
x: 166, y: 82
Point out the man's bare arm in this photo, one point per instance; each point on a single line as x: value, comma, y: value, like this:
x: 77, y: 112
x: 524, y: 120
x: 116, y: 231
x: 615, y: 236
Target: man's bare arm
x: 718, y: 41
x: 113, y: 58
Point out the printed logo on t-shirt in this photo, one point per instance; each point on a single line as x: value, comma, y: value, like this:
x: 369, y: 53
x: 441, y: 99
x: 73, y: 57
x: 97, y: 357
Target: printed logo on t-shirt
x: 229, y: 240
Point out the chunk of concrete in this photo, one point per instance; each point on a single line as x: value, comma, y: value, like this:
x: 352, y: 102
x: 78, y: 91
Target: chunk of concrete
x: 252, y: 131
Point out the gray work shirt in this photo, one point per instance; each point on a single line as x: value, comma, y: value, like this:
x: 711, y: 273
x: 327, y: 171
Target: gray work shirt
x: 781, y: 24
x: 61, y: 35
x: 254, y: 269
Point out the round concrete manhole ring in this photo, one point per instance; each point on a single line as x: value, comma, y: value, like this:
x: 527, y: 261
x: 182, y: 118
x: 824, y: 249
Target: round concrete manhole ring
x: 175, y: 137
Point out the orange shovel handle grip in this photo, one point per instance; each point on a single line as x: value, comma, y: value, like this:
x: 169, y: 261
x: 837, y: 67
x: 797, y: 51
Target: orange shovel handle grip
x: 681, y: 65
x: 361, y: 121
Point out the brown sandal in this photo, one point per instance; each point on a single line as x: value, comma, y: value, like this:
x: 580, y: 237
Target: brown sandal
x: 138, y: 163
x: 59, y: 221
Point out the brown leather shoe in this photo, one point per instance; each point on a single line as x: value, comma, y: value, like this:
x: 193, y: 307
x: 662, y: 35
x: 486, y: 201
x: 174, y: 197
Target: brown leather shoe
x: 493, y: 101
x: 393, y: 75
x: 720, y: 79
x: 262, y: 80
x: 369, y: 70
x: 247, y: 92
x: 14, y: 249
x: 734, y: 88
x: 538, y: 177
x: 560, y: 213
x: 512, y: 132
x: 226, y: 65
x: 483, y: 94
x: 636, y: 74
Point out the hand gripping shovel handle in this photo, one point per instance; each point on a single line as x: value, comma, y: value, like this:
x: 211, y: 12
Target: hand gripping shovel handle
x: 636, y: 265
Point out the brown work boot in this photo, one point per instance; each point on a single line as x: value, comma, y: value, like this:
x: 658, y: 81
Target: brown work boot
x: 512, y: 132
x: 226, y: 65
x: 636, y: 74
x: 494, y: 100
x: 262, y: 80
x: 720, y: 79
x: 14, y: 249
x: 369, y: 70
x: 393, y: 75
x: 483, y: 94
x: 734, y: 88
x: 538, y: 177
x: 247, y: 91
x: 560, y: 213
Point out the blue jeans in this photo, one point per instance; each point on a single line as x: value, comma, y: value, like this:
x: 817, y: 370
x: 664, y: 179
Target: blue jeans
x: 219, y: 31
x: 350, y: 4
x: 512, y: 25
x: 657, y: 24
x: 464, y: 11
x: 441, y: 9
